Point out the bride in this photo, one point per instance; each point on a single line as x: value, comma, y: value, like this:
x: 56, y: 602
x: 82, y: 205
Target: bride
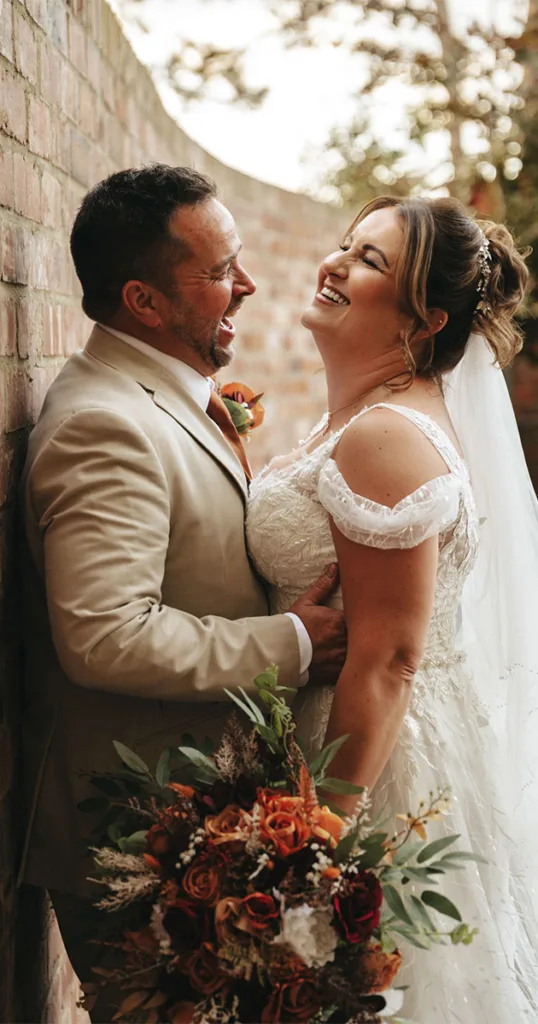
x: 415, y: 479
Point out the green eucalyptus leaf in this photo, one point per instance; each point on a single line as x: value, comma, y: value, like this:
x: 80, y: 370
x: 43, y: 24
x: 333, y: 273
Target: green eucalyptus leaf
x: 373, y: 850
x: 420, y: 875
x: 346, y: 846
x: 432, y: 849
x: 458, y: 855
x: 441, y: 903
x: 341, y: 786
x: 325, y: 756
x: 132, y: 760
x: 395, y: 903
x: 418, y: 940
x: 162, y: 772
x: 200, y: 760
x: 407, y: 852
x: 421, y: 914
x: 135, y: 843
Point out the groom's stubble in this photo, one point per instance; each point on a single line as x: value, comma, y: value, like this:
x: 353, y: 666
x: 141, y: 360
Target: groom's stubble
x: 201, y: 334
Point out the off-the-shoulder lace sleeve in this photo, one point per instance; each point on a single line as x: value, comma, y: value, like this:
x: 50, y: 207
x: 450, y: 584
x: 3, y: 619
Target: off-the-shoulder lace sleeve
x: 431, y: 509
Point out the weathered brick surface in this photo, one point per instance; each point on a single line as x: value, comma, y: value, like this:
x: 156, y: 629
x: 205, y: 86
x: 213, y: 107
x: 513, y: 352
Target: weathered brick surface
x: 75, y: 105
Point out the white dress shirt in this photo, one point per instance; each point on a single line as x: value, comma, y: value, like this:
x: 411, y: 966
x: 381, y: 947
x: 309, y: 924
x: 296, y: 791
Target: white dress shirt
x: 200, y: 388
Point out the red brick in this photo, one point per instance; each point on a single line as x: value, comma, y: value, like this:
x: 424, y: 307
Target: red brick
x: 25, y: 48
x: 39, y: 128
x: 38, y: 10
x: 6, y: 29
x: 61, y: 145
x: 69, y: 92
x: 15, y: 253
x: 29, y: 327
x: 12, y: 106
x: 77, y: 45
x: 87, y: 110
x: 82, y: 158
x: 58, y: 26
x: 6, y: 178
x: 8, y: 326
x: 50, y: 67
x: 94, y: 65
x: 27, y: 182
x: 51, y: 201
x: 17, y: 400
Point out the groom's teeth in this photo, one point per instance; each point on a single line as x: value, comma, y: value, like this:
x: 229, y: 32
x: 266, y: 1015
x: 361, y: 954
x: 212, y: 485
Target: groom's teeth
x: 334, y: 296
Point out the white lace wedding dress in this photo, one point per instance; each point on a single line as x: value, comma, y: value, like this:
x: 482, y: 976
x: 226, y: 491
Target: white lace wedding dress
x: 447, y: 735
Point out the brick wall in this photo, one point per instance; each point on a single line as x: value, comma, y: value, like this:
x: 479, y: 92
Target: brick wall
x: 75, y: 105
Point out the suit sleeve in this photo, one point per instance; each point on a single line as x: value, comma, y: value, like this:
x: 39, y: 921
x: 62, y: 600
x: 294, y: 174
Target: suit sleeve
x: 101, y: 501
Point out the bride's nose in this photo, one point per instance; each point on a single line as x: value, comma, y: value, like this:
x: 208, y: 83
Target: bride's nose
x: 335, y: 264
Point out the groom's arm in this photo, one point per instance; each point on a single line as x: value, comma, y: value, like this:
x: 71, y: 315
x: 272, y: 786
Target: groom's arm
x: 101, y: 501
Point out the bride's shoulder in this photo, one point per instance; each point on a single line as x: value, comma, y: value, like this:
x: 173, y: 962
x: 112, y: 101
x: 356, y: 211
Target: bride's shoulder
x: 384, y: 456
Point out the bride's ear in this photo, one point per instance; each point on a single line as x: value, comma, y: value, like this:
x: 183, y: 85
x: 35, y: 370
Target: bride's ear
x: 437, y: 319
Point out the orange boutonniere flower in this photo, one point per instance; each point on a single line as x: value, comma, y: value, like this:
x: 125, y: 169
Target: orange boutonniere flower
x: 244, y: 406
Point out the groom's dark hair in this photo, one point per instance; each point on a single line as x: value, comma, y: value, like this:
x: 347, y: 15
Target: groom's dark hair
x: 121, y: 232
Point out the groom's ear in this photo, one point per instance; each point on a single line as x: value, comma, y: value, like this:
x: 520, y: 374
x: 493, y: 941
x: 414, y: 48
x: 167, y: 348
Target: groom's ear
x: 143, y: 302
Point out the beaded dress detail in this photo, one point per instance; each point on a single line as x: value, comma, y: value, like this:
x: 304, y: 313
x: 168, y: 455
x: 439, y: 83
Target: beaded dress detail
x: 446, y: 733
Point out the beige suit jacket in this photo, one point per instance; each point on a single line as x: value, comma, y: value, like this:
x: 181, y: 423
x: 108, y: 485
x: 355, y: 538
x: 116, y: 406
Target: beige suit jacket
x: 142, y: 604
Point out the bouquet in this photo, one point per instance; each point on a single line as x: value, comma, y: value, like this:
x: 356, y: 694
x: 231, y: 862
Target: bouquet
x: 237, y: 896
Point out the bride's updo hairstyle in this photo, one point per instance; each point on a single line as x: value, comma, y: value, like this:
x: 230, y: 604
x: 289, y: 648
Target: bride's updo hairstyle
x: 441, y: 266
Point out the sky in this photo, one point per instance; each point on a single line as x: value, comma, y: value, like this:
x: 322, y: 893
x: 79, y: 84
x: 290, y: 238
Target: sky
x: 310, y: 89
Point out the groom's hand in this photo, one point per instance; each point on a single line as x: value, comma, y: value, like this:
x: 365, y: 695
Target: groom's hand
x: 325, y: 627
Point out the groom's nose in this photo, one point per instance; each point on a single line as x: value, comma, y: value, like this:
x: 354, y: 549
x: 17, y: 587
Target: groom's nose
x: 244, y: 284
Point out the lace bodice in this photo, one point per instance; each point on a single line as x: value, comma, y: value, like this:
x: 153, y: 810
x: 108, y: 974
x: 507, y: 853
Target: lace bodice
x: 290, y: 537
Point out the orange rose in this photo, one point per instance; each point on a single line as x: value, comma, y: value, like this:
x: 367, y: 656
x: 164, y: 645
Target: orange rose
x: 288, y: 831
x: 272, y: 800
x: 158, y: 841
x: 202, y: 883
x: 204, y: 971
x: 261, y: 911
x: 378, y: 969
x: 292, y: 1001
x: 231, y: 922
x: 326, y: 825
x: 228, y: 826
x: 182, y: 1013
x: 242, y: 394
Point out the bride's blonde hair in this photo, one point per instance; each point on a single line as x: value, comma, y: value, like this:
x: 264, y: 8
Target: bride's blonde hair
x: 440, y: 267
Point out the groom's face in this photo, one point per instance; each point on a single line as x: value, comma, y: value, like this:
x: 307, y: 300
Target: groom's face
x: 209, y: 285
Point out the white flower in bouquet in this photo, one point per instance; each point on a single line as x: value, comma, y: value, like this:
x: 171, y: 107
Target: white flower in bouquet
x: 309, y: 933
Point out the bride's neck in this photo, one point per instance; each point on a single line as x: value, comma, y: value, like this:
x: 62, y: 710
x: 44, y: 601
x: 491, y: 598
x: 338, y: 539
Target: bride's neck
x: 346, y: 381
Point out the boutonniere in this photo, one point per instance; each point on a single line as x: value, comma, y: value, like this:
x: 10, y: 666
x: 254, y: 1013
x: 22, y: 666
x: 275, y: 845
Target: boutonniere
x: 244, y: 407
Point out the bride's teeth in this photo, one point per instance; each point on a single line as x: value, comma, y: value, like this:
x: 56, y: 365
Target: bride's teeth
x: 334, y: 296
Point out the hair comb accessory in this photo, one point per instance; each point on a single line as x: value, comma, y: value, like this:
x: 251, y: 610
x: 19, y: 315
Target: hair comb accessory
x: 484, y: 259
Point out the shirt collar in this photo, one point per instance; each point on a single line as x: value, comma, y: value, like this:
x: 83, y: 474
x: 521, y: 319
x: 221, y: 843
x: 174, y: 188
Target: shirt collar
x: 194, y: 383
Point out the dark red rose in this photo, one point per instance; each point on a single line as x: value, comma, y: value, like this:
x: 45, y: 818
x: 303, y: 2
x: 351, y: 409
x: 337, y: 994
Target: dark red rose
x: 261, y: 910
x: 358, y: 907
x: 187, y: 925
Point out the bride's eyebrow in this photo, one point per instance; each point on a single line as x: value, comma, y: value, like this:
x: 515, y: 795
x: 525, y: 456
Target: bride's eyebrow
x: 368, y: 247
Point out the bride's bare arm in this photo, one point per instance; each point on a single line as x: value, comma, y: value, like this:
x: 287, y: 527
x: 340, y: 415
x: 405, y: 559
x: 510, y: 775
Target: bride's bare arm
x: 388, y: 597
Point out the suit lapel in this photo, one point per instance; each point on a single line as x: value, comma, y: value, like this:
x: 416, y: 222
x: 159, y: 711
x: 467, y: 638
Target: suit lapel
x: 170, y: 396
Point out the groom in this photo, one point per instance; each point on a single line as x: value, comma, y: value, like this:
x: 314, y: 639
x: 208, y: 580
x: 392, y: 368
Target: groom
x: 141, y: 600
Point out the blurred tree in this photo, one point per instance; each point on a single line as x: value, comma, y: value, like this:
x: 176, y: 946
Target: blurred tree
x: 458, y: 86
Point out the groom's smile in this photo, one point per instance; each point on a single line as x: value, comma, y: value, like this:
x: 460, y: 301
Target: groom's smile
x: 210, y: 283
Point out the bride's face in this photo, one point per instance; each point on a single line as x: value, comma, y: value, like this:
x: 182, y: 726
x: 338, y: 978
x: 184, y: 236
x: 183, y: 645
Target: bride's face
x: 356, y: 299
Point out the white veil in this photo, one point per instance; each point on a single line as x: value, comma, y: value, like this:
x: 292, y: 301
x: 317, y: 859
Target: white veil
x: 499, y: 615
